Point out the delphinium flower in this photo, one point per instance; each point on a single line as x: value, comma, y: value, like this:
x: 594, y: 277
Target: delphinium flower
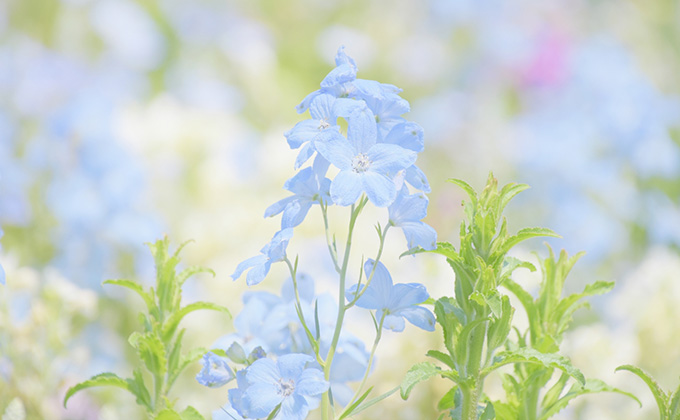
x: 374, y: 163
x: 259, y: 265
x: 394, y: 302
x: 286, y: 383
x: 216, y: 371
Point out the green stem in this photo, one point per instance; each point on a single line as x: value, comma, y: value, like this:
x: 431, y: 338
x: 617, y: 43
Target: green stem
x: 378, y: 335
x: 298, y: 306
x: 472, y: 392
x: 326, y: 411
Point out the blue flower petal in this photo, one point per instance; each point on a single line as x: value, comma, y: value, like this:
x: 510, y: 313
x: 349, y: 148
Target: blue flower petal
x: 419, y: 234
x: 408, y: 135
x: 295, y: 407
x: 292, y: 365
x: 250, y: 262
x: 407, y: 294
x: 278, y: 207
x: 394, y: 322
x: 388, y: 159
x: 258, y: 273
x: 346, y: 188
x: 362, y: 130
x: 302, y: 132
x: 295, y: 213
x: 417, y: 179
x: 379, y: 188
x: 335, y: 149
x: 261, y: 398
x: 419, y: 316
x: 311, y: 382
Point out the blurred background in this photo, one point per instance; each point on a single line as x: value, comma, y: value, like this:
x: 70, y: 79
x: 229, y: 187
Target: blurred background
x: 124, y: 120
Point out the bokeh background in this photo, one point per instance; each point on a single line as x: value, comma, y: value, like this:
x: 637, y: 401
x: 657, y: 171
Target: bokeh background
x: 124, y: 120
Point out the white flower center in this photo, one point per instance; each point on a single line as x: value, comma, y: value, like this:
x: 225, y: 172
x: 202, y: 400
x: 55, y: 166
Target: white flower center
x: 323, y: 124
x: 360, y: 163
x: 286, y: 388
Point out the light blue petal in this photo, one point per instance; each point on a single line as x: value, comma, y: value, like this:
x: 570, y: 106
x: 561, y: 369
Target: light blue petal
x: 311, y: 382
x: 320, y: 166
x: 379, y: 188
x: 305, y: 153
x: 250, y: 262
x: 408, y: 208
x: 419, y: 234
x: 321, y: 108
x: 419, y: 316
x: 2, y: 275
x: 276, y: 249
x: 292, y: 365
x: 394, y: 322
x: 379, y: 290
x: 263, y: 371
x: 258, y: 273
x: 344, y: 107
x: 407, y: 294
x: 278, y: 207
x: 341, y: 74
x: 346, y: 188
x: 335, y: 148
x: 388, y: 159
x: 305, y: 288
x: 302, y: 132
x: 294, y: 407
x: 261, y: 399
x: 300, y: 178
x: 408, y: 135
x: 361, y: 129
x: 417, y: 179
x: 295, y: 213
x: 304, y: 105
x: 342, y: 58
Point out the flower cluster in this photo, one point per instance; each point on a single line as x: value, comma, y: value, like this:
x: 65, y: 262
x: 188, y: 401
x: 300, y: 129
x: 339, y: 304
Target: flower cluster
x: 293, y: 348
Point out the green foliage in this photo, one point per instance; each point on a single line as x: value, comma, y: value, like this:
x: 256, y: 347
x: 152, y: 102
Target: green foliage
x: 477, y: 321
x: 158, y: 345
x: 668, y: 403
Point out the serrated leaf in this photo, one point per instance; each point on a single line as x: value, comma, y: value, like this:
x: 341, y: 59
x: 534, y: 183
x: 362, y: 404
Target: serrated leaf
x: 674, y: 405
x: 171, y: 324
x: 190, y: 271
x: 523, y: 235
x: 466, y: 187
x: 659, y: 395
x: 138, y: 388
x: 135, y: 287
x: 590, y: 387
x: 152, y: 352
x: 418, y: 373
x: 529, y: 355
x: 103, y: 379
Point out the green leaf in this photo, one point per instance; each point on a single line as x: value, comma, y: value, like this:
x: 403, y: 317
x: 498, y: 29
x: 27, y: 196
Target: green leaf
x: 190, y: 413
x: 500, y: 328
x: 103, y: 379
x: 529, y: 355
x: 416, y: 374
x: 138, y: 388
x: 659, y: 395
x: 590, y: 387
x: 467, y: 188
x: 190, y: 271
x: 523, y: 235
x: 674, y: 405
x: 187, y: 359
x: 349, y: 410
x: 237, y: 354
x: 489, y: 413
x: 442, y: 357
x: 374, y: 401
x: 508, y: 192
x: 448, y: 401
x: 135, y: 287
x: 567, y: 306
x: 168, y: 414
x: 151, y: 350
x: 449, y: 316
x: 171, y: 324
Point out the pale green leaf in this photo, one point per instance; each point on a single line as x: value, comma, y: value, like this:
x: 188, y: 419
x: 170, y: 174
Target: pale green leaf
x: 418, y: 373
x: 659, y: 395
x: 529, y: 355
x: 103, y: 379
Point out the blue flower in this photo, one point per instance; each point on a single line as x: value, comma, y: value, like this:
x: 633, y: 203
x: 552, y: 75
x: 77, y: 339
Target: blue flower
x: 406, y: 213
x: 274, y: 251
x: 365, y: 166
x: 285, y: 382
x: 226, y: 413
x: 216, y: 372
x: 309, y: 187
x: 395, y: 302
x: 337, y: 82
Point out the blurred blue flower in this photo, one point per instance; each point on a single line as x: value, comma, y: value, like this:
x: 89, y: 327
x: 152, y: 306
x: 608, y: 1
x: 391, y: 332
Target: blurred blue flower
x: 216, y: 371
x: 393, y: 301
x: 287, y: 382
x: 259, y: 265
x: 406, y: 213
